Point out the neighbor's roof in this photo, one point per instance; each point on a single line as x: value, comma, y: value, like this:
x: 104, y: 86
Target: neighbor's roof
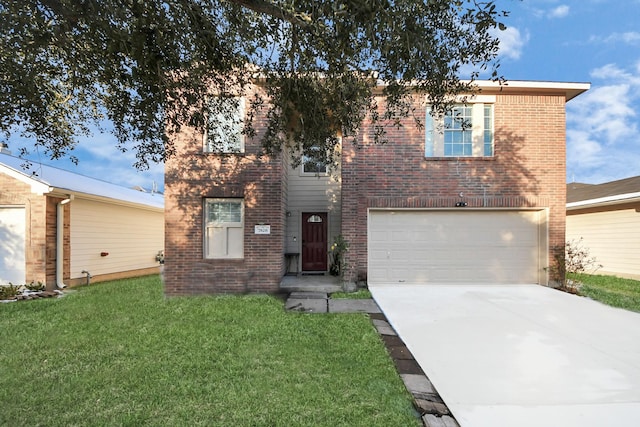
x: 49, y: 179
x: 581, y: 195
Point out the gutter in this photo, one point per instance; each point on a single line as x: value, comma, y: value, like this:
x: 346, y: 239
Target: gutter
x: 60, y: 241
x: 604, y: 201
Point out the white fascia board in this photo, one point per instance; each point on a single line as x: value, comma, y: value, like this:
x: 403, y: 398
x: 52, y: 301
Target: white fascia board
x: 604, y: 201
x: 37, y: 187
x: 570, y: 89
x: 155, y: 205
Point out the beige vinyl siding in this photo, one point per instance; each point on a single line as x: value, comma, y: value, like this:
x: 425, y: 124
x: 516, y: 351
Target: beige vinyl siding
x: 612, y: 237
x: 131, y: 236
x: 311, y: 193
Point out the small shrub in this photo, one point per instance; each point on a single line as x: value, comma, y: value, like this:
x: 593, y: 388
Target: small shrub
x: 571, y: 258
x: 33, y: 286
x: 9, y: 291
x: 338, y: 249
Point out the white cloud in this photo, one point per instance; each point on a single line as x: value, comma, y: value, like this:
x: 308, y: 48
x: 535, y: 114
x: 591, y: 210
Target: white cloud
x: 98, y: 158
x: 603, y: 128
x: 629, y: 37
x: 546, y: 9
x: 512, y: 42
x: 558, y: 12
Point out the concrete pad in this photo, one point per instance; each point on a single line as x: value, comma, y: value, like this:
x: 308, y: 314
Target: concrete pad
x: 435, y: 421
x: 308, y: 295
x: 429, y: 407
x: 383, y: 327
x: 353, y: 306
x: 306, y: 305
x: 417, y: 384
x: 520, y: 355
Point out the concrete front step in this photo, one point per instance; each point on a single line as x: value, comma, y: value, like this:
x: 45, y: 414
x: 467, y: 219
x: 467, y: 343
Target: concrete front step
x: 300, y: 283
x: 319, y: 302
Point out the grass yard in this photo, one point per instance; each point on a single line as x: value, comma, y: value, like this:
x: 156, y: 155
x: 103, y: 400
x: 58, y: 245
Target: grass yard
x: 359, y: 294
x: 614, y: 291
x: 120, y: 353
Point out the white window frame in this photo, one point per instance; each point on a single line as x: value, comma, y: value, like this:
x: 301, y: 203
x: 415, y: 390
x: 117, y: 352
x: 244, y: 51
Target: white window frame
x: 304, y: 172
x: 326, y: 171
x: 481, y: 129
x: 229, y: 130
x: 219, y: 234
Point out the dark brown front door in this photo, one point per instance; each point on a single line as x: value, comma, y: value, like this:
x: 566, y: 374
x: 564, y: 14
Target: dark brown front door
x: 314, y: 242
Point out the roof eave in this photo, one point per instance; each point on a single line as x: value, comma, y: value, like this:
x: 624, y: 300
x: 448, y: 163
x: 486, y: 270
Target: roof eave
x: 604, y: 201
x: 37, y: 187
x: 569, y: 89
x: 63, y: 192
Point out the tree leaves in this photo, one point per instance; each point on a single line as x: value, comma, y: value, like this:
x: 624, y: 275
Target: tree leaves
x: 148, y: 66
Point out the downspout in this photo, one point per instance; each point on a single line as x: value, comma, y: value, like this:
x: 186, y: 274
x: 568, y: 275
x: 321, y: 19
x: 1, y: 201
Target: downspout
x: 60, y: 241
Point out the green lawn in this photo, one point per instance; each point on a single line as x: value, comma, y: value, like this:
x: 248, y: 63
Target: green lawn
x: 614, y: 291
x: 359, y: 294
x: 120, y: 353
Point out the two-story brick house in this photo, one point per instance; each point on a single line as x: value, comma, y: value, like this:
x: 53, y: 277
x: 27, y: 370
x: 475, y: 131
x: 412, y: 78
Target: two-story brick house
x: 443, y: 203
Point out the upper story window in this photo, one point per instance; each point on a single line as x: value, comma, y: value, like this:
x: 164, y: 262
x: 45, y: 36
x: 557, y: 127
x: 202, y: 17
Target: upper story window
x: 223, y: 133
x: 465, y: 131
x: 314, y: 163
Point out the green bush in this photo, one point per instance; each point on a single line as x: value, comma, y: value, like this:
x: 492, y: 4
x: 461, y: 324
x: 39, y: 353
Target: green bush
x: 571, y: 258
x: 33, y: 286
x: 9, y: 291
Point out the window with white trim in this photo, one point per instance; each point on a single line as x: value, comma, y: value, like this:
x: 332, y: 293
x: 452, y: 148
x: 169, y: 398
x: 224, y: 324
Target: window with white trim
x: 465, y: 131
x: 224, y: 228
x: 314, y: 164
x: 223, y: 133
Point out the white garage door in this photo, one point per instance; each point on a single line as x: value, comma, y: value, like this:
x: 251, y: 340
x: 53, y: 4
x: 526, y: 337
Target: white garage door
x: 12, y: 231
x: 462, y: 246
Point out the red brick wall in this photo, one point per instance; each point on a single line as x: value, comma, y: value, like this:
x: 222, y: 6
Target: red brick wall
x: 190, y: 177
x: 527, y: 170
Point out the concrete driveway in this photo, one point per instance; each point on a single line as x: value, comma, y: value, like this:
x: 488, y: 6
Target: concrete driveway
x: 520, y: 355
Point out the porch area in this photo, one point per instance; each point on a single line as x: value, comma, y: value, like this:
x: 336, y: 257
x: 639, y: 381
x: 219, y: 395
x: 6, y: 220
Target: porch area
x: 325, y: 283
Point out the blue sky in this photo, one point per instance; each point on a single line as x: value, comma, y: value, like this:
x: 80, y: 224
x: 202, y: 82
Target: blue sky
x: 596, y: 41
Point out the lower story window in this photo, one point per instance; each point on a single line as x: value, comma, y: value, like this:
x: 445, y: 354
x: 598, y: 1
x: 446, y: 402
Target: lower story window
x: 224, y: 228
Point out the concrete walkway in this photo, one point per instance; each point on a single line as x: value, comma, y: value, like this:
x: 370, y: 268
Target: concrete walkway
x: 428, y: 403
x: 521, y: 355
x: 319, y: 302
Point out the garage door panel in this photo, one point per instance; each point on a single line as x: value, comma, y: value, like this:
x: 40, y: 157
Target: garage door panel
x: 12, y: 245
x: 453, y: 246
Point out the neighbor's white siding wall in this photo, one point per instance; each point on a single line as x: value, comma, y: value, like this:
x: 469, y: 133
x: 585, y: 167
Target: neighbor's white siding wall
x: 612, y: 237
x: 309, y: 193
x: 131, y: 236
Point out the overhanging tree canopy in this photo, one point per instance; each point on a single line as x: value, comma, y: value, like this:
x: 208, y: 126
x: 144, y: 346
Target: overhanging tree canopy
x: 146, y: 65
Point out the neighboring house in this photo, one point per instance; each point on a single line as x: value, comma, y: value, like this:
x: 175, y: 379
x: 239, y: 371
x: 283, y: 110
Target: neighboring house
x: 607, y: 219
x: 104, y: 229
x: 438, y: 204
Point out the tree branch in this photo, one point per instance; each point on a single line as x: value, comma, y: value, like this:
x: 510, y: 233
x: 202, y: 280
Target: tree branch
x: 264, y: 6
